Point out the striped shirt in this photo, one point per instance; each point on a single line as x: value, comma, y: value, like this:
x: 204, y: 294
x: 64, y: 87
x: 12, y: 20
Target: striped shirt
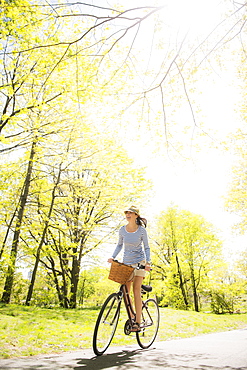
x: 136, y: 248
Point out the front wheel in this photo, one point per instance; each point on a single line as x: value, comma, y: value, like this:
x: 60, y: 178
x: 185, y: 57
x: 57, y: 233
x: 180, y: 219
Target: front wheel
x: 106, y: 324
x: 150, y: 323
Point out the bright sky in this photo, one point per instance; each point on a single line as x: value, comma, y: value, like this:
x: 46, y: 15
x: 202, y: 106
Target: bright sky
x: 198, y: 186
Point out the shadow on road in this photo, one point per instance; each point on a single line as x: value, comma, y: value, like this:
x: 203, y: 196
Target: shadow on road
x: 216, y: 351
x: 153, y: 358
x: 109, y: 360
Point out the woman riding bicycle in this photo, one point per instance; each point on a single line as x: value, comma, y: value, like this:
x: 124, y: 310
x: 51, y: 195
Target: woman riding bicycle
x: 133, y: 237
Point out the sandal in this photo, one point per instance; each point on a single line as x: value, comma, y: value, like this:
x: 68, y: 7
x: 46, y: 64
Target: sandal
x: 135, y: 327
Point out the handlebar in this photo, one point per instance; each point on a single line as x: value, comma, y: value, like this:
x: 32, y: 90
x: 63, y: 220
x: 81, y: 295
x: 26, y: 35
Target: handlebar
x: 140, y: 267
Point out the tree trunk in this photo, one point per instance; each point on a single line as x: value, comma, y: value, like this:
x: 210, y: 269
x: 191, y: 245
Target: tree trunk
x: 76, y: 261
x: 39, y: 249
x: 7, y: 233
x: 59, y: 293
x: 74, y: 281
x: 195, y: 296
x: 81, y: 300
x: 64, y: 268
x: 181, y: 283
x: 13, y: 254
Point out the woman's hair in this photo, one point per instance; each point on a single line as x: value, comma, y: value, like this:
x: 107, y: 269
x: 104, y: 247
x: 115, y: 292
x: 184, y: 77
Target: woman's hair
x: 141, y: 221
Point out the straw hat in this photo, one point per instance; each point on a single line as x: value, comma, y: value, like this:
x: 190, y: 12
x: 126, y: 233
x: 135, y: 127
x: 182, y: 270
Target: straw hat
x: 133, y: 209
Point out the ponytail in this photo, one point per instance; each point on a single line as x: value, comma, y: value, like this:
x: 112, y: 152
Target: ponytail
x: 141, y: 221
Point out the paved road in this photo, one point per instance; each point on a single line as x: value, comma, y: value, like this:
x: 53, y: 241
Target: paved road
x: 216, y: 351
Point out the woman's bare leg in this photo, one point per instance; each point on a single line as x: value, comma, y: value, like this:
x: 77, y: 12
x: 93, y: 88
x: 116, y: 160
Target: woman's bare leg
x: 137, y: 297
x: 128, y: 285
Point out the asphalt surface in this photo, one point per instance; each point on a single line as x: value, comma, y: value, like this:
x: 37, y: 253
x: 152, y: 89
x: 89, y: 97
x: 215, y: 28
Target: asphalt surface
x: 227, y: 350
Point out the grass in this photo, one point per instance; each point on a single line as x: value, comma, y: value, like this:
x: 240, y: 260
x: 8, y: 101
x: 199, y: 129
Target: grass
x: 28, y: 331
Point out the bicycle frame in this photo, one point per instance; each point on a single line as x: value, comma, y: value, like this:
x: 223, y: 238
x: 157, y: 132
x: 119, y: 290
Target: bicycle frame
x: 124, y: 294
x: 127, y: 302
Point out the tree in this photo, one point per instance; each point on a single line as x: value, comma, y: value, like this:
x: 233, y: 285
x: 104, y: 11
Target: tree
x: 227, y: 289
x: 19, y: 217
x: 23, y: 84
x: 190, y: 249
x: 72, y: 201
x: 42, y: 239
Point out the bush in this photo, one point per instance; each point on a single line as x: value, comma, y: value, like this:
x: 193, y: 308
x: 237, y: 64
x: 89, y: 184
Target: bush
x: 221, y: 303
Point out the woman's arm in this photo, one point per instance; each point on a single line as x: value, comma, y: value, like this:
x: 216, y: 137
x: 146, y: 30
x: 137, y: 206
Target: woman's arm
x: 118, y: 247
x: 146, y: 249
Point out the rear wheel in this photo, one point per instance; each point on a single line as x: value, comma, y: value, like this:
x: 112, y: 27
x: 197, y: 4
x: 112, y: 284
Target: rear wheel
x: 150, y: 323
x: 106, y: 324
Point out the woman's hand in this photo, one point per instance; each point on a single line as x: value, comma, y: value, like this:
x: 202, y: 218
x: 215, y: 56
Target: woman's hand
x: 147, y: 267
x: 110, y: 260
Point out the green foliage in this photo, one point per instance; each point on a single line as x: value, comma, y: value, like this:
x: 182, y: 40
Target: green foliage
x: 17, y: 19
x: 241, y: 267
x: 94, y: 287
x: 80, y: 171
x: 19, y: 289
x: 45, y: 294
x: 226, y: 291
x: 187, y: 251
x: 221, y: 303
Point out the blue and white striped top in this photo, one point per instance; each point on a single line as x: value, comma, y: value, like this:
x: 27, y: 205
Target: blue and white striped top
x: 136, y: 248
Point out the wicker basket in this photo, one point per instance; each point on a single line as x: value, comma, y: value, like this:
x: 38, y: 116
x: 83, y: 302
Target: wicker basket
x: 120, y: 273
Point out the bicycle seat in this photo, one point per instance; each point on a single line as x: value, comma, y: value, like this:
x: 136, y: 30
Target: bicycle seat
x: 147, y: 288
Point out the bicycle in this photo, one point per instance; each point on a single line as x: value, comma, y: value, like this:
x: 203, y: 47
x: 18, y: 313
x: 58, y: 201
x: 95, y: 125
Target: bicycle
x: 108, y: 318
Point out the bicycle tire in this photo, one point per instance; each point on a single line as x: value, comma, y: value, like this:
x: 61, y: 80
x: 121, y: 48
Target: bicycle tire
x: 106, y: 324
x: 150, y: 323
